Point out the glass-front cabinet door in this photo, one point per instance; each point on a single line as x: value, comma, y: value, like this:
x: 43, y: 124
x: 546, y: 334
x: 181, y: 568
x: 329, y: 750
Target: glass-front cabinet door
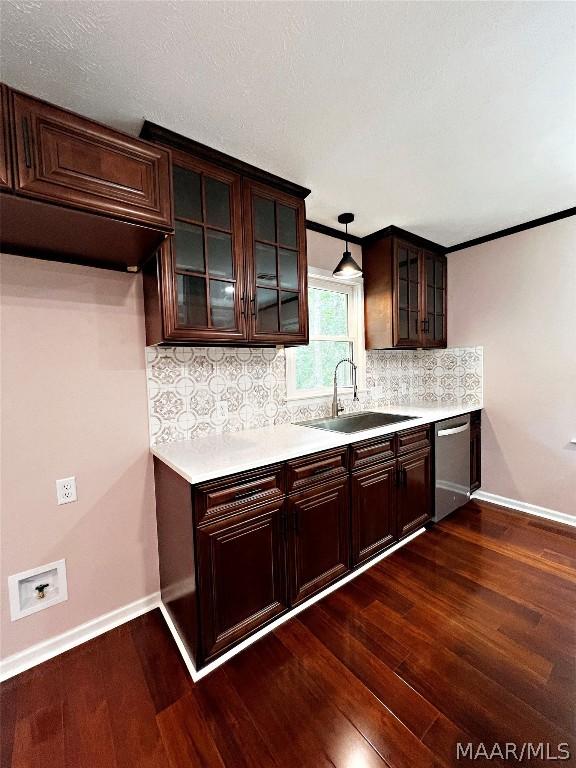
x: 434, y: 289
x: 407, y: 275
x: 275, y: 239
x: 204, y: 259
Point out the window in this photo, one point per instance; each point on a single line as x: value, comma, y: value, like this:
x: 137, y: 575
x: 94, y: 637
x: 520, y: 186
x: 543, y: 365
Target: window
x: 335, y: 309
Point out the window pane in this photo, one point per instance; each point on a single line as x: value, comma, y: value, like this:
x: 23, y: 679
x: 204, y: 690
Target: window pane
x: 438, y: 327
x: 264, y: 220
x: 187, y: 199
x: 403, y: 330
x: 287, y: 234
x: 328, y: 312
x: 219, y: 247
x: 403, y: 293
x: 188, y: 244
x: 266, y: 310
x: 217, y: 203
x: 191, y: 292
x: 315, y: 364
x: 222, y: 304
x: 266, y: 264
x: 430, y: 298
x: 289, y: 312
x: 288, y: 268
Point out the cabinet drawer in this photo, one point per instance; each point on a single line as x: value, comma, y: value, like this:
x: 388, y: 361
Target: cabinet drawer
x: 370, y: 452
x: 412, y: 439
x: 311, y: 470
x: 234, y: 493
x: 67, y: 159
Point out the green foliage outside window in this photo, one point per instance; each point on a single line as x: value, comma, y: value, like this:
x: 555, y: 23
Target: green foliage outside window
x: 328, y: 312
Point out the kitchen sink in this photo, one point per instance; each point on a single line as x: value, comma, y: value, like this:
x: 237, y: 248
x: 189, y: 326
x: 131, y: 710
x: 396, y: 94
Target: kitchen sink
x: 356, y: 422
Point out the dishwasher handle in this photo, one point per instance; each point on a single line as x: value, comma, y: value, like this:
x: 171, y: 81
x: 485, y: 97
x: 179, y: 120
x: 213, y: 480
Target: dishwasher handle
x: 453, y: 430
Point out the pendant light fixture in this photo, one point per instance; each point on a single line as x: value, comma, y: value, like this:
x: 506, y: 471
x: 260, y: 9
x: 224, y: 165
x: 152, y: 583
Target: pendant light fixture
x: 347, y: 267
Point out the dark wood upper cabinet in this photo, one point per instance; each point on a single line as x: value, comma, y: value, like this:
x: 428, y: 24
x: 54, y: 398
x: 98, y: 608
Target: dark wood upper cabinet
x: 5, y: 154
x: 319, y: 538
x: 275, y: 238
x: 241, y: 575
x: 414, y: 496
x: 82, y: 192
x: 373, y: 494
x: 200, y: 270
x: 236, y: 270
x: 62, y: 157
x: 404, y: 292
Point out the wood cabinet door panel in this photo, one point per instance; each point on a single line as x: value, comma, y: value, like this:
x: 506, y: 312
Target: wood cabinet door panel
x: 434, y: 300
x: 414, y: 494
x: 319, y: 540
x: 5, y: 154
x: 277, y: 279
x: 241, y: 569
x: 202, y: 268
x: 68, y: 159
x: 373, y: 494
x: 407, y: 295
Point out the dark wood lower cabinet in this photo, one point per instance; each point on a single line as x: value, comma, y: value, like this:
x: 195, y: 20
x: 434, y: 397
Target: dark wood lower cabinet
x: 241, y: 575
x: 238, y: 551
x: 414, y: 496
x: 319, y: 539
x: 373, y: 504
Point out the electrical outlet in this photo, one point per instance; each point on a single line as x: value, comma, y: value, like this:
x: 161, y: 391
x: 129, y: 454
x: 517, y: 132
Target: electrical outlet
x: 221, y: 410
x: 66, y: 490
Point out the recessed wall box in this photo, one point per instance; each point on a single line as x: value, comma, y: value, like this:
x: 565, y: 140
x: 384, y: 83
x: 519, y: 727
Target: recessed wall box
x: 38, y: 588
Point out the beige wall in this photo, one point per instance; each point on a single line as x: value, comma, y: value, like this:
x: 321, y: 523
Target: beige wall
x: 516, y: 297
x: 325, y: 252
x: 74, y: 402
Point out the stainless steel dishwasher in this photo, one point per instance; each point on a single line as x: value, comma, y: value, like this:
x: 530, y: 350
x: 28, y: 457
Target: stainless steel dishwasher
x: 452, y: 453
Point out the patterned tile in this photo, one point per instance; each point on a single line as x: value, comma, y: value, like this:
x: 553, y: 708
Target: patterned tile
x: 185, y: 385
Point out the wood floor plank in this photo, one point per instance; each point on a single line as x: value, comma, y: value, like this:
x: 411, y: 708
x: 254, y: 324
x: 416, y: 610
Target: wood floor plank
x: 88, y: 740
x: 402, y: 700
x: 186, y: 737
x: 381, y: 728
x: 39, y: 733
x: 132, y: 712
x: 166, y: 675
x: 232, y: 728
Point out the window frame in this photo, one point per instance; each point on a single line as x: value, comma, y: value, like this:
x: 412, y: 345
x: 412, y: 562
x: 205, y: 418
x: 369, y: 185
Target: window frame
x: 354, y: 289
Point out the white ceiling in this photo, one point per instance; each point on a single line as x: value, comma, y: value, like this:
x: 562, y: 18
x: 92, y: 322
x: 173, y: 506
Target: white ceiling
x: 452, y: 120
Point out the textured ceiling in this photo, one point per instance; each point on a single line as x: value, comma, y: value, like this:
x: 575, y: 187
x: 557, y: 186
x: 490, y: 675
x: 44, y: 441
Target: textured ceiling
x: 452, y: 120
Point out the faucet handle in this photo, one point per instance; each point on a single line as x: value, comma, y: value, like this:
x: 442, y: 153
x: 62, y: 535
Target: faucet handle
x: 340, y: 407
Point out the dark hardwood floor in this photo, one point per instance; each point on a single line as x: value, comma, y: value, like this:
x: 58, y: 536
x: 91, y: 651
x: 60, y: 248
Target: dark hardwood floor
x: 467, y: 634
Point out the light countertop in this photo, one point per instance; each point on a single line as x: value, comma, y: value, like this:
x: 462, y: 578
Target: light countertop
x: 225, y: 454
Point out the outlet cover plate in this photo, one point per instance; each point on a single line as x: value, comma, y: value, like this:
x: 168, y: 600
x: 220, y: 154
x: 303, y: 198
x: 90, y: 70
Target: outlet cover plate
x: 66, y: 490
x: 22, y: 589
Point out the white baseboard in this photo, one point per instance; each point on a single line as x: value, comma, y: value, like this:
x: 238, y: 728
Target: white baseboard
x: 197, y: 674
x: 522, y: 506
x: 36, y: 654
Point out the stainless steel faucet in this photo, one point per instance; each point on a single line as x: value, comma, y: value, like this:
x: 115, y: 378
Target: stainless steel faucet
x: 337, y: 408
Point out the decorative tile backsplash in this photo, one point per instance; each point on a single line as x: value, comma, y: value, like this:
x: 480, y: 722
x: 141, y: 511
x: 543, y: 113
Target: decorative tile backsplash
x: 198, y: 391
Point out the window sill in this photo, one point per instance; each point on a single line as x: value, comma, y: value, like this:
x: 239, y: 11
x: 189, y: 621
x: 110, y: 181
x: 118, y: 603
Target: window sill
x: 343, y: 394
